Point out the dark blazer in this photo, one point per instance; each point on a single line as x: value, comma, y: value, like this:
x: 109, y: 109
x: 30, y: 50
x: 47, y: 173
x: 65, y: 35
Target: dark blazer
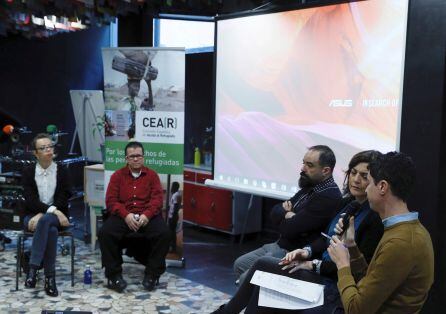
x: 367, y: 237
x: 32, y: 203
x: 311, y: 215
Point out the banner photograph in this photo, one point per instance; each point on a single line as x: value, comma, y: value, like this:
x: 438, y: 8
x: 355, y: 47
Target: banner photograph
x: 144, y: 101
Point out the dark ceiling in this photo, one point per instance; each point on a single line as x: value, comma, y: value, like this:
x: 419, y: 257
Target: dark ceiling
x: 27, y: 17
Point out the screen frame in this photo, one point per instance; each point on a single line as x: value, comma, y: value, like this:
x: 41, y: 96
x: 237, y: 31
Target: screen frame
x: 279, y: 9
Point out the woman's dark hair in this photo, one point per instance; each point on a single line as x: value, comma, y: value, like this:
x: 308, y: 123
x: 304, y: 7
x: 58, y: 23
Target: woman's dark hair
x: 175, y: 187
x: 366, y: 156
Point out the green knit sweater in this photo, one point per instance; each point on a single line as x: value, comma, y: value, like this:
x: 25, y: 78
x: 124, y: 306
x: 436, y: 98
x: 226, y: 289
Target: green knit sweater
x: 399, y: 276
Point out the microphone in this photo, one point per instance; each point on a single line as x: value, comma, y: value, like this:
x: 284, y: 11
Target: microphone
x: 351, y: 210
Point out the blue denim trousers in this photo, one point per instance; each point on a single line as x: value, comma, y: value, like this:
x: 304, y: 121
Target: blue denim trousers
x: 44, y: 246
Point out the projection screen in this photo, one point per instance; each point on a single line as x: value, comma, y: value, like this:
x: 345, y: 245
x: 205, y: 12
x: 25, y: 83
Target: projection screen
x: 285, y: 81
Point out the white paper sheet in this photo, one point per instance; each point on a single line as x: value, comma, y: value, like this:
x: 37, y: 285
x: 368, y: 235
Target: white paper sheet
x: 303, y: 290
x: 271, y: 298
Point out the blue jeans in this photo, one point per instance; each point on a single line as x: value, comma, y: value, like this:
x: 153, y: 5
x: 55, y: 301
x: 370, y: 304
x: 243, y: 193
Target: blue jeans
x: 44, y: 246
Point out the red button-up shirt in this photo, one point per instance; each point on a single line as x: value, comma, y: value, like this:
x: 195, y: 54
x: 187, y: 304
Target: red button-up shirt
x: 142, y: 195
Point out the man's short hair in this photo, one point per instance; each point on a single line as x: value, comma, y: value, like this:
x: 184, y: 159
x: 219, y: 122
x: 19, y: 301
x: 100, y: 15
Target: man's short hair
x: 39, y: 137
x: 134, y: 144
x: 326, y: 156
x: 398, y: 170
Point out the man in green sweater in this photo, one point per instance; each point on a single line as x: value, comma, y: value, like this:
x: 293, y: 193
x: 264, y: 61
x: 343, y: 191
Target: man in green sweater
x: 401, y: 271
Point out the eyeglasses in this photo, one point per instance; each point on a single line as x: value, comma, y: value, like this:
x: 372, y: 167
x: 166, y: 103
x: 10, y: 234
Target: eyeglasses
x: 44, y: 148
x: 136, y: 156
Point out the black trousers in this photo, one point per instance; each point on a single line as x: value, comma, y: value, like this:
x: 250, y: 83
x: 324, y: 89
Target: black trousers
x: 155, y: 234
x: 248, y: 294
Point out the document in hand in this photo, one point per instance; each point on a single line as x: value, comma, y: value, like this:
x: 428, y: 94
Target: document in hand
x: 287, y: 293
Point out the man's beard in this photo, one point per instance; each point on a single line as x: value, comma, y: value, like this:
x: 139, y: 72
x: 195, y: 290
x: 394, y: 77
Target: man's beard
x: 305, y: 181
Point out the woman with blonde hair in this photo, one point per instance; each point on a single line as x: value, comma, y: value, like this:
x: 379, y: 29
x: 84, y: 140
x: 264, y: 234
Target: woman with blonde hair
x: 46, y: 189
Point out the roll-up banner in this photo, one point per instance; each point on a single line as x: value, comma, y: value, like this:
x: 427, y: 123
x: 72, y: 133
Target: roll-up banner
x: 144, y: 101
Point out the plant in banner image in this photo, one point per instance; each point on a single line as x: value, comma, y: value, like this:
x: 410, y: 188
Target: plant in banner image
x: 103, y: 127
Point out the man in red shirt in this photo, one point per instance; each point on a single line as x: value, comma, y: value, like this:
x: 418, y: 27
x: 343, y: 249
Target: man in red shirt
x: 134, y: 199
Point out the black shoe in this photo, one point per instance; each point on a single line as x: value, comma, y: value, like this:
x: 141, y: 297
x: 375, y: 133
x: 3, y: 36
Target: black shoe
x: 50, y: 286
x: 220, y: 310
x: 116, y: 283
x: 31, y: 278
x: 149, y: 282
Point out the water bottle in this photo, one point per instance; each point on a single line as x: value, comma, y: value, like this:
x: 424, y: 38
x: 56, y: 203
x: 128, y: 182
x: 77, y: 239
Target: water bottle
x: 88, y: 277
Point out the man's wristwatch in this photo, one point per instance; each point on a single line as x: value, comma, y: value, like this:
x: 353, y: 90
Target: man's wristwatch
x: 314, y: 264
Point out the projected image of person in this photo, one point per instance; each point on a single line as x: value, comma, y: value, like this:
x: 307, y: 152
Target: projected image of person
x: 46, y: 189
x: 313, y: 263
x: 301, y: 218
